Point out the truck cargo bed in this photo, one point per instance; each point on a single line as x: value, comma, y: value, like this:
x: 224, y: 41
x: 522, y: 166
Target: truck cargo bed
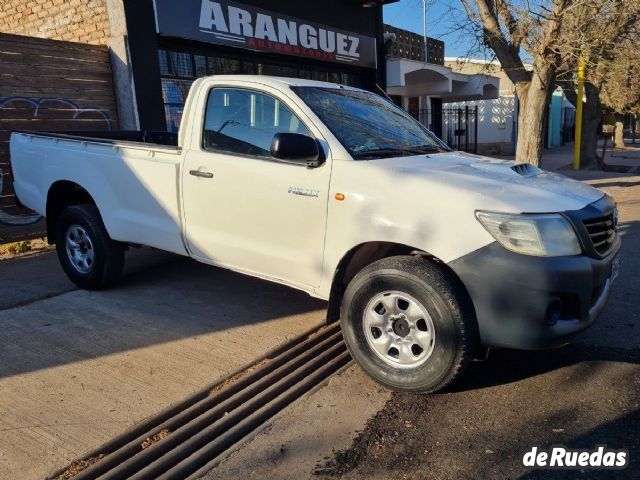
x: 160, y: 139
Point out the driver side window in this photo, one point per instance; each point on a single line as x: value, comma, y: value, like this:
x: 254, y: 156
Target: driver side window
x: 245, y: 121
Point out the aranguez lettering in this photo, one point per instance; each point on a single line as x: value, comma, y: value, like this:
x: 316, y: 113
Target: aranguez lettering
x: 240, y: 22
x: 560, y: 457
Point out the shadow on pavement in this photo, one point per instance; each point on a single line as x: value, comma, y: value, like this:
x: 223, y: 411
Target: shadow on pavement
x: 153, y: 304
x: 509, y: 366
x: 615, y: 434
x: 617, y: 184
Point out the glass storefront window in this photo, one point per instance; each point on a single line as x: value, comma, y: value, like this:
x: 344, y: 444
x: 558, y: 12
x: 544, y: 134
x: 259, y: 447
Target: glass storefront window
x: 200, y: 63
x: 178, y: 70
x: 351, y: 80
x: 176, y: 64
x: 335, y: 77
x: 174, y: 93
x: 173, y: 114
x: 319, y: 76
x: 164, y: 63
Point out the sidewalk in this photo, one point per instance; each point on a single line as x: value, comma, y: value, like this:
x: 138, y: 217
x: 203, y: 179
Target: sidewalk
x: 79, y: 367
x: 561, y: 158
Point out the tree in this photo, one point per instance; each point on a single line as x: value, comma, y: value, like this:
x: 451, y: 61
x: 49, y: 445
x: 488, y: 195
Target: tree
x: 621, y: 83
x: 604, y: 33
x: 550, y: 34
x: 591, y: 117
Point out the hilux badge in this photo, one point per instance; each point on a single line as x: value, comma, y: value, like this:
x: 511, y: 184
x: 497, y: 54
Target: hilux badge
x: 305, y: 192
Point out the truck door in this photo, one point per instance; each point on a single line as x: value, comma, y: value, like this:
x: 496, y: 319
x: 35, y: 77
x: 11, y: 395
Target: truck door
x: 243, y: 208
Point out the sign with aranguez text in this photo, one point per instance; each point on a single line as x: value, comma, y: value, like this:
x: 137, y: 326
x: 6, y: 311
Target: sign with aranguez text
x: 234, y: 24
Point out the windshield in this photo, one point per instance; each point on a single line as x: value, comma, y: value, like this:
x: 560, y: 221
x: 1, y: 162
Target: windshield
x: 367, y: 125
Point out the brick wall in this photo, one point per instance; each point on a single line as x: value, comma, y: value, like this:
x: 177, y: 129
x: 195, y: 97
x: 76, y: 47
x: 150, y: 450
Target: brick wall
x: 84, y: 21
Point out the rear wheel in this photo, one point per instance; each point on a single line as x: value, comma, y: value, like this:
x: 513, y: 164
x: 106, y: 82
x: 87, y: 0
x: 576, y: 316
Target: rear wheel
x: 89, y: 257
x: 409, y: 324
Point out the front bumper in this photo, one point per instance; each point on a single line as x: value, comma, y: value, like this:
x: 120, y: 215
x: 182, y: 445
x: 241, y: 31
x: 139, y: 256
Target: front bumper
x: 515, y: 295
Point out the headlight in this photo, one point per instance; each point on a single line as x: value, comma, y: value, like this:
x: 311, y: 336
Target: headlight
x: 544, y: 235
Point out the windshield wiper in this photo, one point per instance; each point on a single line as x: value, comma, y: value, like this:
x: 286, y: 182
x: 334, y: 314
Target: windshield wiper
x: 427, y: 148
x: 380, y: 152
x: 391, y: 152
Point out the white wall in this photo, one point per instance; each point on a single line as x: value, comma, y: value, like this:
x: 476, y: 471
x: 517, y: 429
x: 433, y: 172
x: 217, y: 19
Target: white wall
x: 495, y: 118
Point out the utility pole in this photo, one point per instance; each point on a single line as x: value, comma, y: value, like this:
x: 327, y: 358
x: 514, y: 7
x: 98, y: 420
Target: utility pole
x: 424, y: 30
x: 578, y: 134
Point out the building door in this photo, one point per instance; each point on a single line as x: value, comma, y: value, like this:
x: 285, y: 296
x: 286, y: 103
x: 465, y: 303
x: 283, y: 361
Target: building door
x: 436, y: 117
x: 414, y: 107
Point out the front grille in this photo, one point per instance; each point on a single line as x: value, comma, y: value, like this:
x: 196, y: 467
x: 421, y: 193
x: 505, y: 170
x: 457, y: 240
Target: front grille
x: 602, y: 231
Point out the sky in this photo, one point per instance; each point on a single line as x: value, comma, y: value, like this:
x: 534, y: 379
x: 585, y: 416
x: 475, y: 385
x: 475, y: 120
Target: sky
x: 407, y: 14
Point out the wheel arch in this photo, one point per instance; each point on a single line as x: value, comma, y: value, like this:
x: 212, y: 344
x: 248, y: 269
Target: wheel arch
x: 63, y: 194
x: 365, y: 254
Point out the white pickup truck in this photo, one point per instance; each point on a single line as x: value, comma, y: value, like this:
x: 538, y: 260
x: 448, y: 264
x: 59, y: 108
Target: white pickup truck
x: 424, y: 254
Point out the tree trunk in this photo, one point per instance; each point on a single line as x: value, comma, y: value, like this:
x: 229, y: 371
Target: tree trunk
x: 534, y: 102
x: 618, y: 139
x: 591, y: 116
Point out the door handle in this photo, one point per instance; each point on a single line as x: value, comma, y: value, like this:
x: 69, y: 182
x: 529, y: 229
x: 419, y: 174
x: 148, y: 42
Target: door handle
x: 201, y: 174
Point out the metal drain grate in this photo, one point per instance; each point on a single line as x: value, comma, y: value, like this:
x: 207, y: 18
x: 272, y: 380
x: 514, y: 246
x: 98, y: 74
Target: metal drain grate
x: 187, y: 440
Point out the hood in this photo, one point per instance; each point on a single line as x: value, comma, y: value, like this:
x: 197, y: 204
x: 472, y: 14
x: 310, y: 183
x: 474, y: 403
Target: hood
x: 516, y: 188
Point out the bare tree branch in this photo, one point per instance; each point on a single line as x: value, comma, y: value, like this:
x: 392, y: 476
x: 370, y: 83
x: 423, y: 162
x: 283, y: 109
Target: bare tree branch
x: 555, y: 34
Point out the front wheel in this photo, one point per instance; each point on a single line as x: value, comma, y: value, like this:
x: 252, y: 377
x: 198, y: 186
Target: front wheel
x: 89, y: 257
x: 409, y: 324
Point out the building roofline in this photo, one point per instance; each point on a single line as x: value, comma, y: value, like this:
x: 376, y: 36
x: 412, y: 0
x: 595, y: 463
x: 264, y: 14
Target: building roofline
x: 480, y: 61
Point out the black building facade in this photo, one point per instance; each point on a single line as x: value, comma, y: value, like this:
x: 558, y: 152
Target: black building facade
x: 171, y: 43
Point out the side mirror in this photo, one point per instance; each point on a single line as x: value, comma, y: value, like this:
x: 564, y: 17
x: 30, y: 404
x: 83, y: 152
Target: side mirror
x: 296, y: 148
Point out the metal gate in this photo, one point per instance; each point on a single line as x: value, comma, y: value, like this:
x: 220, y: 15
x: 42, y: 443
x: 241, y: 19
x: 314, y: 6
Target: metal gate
x: 457, y: 126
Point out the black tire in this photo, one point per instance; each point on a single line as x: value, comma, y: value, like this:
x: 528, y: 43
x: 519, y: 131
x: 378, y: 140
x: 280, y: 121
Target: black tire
x: 107, y: 254
x: 445, y: 300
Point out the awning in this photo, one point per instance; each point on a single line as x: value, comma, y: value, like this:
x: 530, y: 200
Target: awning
x: 413, y: 78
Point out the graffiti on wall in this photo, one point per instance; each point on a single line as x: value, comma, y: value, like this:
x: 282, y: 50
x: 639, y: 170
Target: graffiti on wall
x: 54, y: 108
x: 49, y: 111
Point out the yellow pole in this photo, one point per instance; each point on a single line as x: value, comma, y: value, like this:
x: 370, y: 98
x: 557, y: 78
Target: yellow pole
x: 578, y: 134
